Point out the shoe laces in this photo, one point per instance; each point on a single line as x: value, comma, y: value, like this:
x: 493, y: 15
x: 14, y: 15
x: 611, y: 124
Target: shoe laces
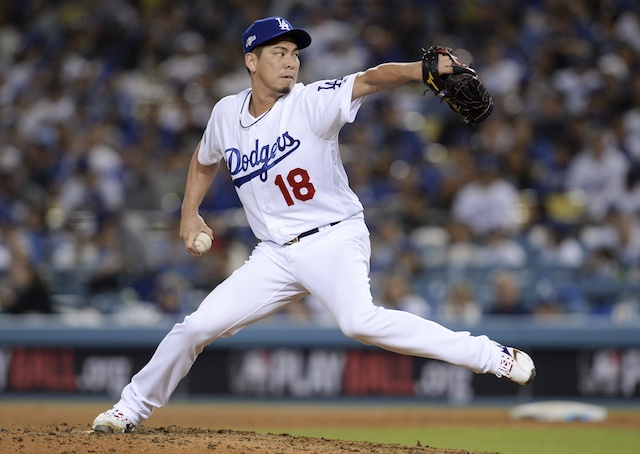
x: 117, y: 414
x: 506, y: 364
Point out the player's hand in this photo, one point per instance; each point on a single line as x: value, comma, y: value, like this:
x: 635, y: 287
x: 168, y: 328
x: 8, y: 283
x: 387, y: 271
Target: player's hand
x: 445, y: 64
x: 190, y: 226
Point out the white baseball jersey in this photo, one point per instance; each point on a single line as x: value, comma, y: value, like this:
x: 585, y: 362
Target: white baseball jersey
x: 285, y: 165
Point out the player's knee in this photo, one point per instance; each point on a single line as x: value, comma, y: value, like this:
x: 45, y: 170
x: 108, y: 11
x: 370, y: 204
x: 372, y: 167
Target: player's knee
x: 198, y: 332
x: 355, y: 328
x: 363, y: 325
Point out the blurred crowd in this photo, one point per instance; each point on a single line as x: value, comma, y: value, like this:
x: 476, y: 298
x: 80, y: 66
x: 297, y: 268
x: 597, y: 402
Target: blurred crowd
x: 534, y: 212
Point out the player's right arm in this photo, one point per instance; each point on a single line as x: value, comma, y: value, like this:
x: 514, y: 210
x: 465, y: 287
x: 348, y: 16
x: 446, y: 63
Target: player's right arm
x: 199, y: 179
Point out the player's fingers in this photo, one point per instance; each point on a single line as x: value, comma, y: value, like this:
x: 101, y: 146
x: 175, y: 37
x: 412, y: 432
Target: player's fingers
x: 191, y: 249
x: 188, y: 244
x: 207, y: 230
x: 190, y: 241
x: 445, y: 64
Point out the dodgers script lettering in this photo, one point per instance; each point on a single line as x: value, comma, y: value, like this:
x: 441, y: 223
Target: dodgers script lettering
x: 245, y: 167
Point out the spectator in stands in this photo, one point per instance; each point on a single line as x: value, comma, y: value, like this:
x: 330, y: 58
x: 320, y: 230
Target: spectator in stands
x: 115, y: 257
x: 460, y: 305
x: 599, y: 170
x: 501, y: 74
x: 601, y: 273
x: 548, y: 307
x: 172, y: 294
x: 507, y: 295
x: 340, y: 56
x: 141, y: 188
x: 555, y: 245
x: 462, y: 250
x: 629, y: 202
x: 500, y: 249
x: 579, y: 79
x: 391, y: 133
x: 84, y: 192
x: 627, y: 239
x: 619, y: 233
x: 390, y: 242
x: 398, y: 294
x: 24, y: 290
x: 631, y: 120
x: 188, y: 61
x: 549, y: 174
x: 489, y: 202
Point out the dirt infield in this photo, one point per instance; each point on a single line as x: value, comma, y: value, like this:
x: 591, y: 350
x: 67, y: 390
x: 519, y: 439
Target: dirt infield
x: 55, y: 427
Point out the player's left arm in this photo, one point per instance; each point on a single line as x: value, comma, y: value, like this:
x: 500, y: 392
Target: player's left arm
x: 390, y: 75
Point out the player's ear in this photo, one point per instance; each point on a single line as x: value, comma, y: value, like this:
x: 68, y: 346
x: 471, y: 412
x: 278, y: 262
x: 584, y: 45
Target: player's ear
x: 251, y: 60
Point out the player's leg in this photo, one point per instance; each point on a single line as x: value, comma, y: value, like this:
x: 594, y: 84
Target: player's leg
x: 257, y: 289
x: 335, y: 269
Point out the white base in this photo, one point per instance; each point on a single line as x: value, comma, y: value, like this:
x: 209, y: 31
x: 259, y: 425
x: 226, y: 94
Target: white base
x: 559, y: 411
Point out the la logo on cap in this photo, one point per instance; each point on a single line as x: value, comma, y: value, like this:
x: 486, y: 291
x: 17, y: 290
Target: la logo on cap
x: 284, y: 25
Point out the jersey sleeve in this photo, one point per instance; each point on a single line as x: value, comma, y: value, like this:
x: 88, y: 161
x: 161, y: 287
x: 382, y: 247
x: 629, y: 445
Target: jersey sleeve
x: 210, y: 152
x: 328, y: 106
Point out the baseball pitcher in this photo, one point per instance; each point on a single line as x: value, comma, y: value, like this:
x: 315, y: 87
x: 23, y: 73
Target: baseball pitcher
x: 278, y: 140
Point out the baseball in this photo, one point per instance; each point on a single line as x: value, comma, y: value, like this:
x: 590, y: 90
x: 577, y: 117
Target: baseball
x: 202, y: 242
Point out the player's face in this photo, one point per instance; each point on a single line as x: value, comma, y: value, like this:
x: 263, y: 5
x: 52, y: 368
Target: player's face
x: 279, y: 64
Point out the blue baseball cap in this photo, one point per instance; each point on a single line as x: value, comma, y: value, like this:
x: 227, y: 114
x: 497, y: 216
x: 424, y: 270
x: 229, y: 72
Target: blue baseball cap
x: 264, y: 30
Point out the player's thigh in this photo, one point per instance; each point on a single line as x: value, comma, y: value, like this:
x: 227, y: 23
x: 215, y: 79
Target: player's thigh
x: 336, y: 270
x: 258, y: 288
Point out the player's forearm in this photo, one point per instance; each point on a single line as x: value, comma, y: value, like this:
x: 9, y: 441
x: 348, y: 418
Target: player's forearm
x: 386, y: 76
x: 199, y: 179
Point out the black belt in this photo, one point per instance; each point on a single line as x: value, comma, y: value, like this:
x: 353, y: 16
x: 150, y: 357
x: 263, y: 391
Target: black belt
x: 310, y: 232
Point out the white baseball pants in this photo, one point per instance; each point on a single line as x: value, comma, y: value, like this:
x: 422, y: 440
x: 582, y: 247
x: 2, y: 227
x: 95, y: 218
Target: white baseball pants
x: 333, y: 265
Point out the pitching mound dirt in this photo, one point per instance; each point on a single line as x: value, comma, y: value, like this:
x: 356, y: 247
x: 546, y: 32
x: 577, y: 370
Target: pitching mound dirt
x: 80, y: 439
x: 58, y: 427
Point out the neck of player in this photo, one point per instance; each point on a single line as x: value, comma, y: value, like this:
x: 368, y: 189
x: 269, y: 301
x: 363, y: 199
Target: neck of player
x: 258, y: 105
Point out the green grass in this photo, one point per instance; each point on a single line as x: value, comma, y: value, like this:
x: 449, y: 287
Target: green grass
x: 548, y: 439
